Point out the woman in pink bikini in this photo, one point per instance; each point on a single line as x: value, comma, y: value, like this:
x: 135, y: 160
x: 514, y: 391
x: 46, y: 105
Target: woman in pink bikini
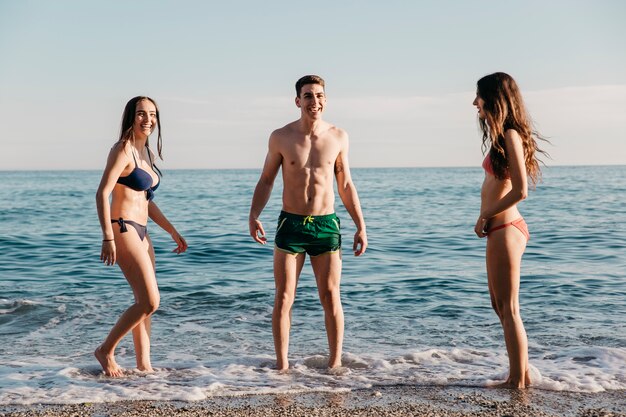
x: 510, y: 162
x: 130, y: 179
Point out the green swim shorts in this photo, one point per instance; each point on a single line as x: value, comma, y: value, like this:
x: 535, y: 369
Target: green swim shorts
x: 314, y: 235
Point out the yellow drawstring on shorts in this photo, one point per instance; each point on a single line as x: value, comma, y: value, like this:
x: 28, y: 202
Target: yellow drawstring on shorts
x: 307, y: 219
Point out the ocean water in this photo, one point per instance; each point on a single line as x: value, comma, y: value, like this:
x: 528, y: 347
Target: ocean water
x: 416, y: 305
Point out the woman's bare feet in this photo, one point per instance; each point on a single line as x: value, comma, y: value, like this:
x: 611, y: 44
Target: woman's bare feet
x: 522, y: 383
x: 110, y: 367
x: 514, y: 384
x: 527, y: 378
x: 146, y: 368
x: 509, y: 385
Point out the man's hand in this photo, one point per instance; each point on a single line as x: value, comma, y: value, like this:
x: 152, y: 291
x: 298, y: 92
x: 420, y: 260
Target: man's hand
x: 360, y: 243
x: 256, y: 231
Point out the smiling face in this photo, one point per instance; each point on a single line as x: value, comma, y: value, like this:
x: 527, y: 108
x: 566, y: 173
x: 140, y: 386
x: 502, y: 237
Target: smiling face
x: 311, y: 101
x: 480, y: 105
x: 145, y: 118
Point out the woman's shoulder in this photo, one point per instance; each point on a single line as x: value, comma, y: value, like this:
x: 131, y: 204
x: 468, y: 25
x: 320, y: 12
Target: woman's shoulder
x: 511, y: 134
x: 121, y: 147
x: 120, y: 150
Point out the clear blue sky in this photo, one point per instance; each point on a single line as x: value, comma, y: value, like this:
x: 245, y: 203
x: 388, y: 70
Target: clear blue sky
x: 400, y: 76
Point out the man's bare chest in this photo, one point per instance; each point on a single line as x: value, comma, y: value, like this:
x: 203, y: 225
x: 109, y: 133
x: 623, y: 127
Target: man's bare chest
x: 311, y: 154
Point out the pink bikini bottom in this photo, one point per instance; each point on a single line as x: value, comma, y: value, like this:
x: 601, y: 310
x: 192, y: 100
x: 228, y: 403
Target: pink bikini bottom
x: 519, y: 224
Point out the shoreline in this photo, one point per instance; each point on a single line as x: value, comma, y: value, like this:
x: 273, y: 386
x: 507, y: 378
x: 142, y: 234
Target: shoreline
x: 448, y: 401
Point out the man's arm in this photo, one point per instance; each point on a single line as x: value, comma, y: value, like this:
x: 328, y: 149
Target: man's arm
x: 263, y: 189
x: 349, y: 196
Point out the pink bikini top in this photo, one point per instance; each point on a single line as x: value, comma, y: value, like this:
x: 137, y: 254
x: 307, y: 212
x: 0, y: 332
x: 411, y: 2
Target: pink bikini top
x: 488, y: 166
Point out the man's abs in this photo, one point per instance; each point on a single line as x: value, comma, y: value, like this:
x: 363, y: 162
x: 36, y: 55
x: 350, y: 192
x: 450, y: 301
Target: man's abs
x: 308, y: 200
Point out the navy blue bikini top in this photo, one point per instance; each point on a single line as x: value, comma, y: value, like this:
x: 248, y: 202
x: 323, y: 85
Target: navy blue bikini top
x: 140, y: 180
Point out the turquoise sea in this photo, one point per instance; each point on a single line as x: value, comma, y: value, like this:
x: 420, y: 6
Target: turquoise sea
x: 416, y: 304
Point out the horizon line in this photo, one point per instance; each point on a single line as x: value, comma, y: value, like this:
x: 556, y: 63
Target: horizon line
x: 357, y: 167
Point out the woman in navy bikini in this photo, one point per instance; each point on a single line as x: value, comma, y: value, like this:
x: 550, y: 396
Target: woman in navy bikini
x: 131, y: 178
x: 510, y: 162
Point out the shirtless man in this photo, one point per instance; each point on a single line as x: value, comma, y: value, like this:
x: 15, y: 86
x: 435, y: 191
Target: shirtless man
x: 309, y: 151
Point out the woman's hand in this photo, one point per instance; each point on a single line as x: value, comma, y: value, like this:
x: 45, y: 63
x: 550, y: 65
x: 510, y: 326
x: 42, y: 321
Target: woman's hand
x: 181, y: 244
x: 481, y: 227
x: 107, y: 253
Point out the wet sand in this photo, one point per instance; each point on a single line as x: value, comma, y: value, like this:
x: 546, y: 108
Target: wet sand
x: 379, y: 401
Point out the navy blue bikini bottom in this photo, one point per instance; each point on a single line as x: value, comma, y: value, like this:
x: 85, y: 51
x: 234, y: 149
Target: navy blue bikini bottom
x: 141, y: 229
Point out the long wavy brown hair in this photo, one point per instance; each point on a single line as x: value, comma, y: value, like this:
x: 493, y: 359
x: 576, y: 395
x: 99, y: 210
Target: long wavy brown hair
x: 504, y: 109
x: 128, y: 119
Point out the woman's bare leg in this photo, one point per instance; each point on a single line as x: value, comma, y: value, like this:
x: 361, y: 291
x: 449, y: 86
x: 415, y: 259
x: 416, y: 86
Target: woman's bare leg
x: 142, y: 332
x: 141, y: 340
x: 505, y: 248
x: 135, y: 262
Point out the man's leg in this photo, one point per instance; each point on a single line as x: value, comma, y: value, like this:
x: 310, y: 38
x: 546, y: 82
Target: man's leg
x: 327, y: 269
x: 287, y: 268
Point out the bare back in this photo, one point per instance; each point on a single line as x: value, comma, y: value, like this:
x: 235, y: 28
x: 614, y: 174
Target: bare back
x: 308, y: 165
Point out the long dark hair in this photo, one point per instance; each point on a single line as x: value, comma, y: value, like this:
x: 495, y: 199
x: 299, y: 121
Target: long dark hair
x: 504, y: 109
x: 128, y: 119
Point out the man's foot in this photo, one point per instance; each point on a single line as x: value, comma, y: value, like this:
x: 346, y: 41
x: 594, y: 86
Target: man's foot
x: 109, y: 366
x: 338, y: 370
x: 282, y: 367
x: 335, y: 364
x: 284, y: 370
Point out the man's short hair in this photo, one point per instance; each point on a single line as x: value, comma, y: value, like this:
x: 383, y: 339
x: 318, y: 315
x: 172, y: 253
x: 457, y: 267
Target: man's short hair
x: 308, y: 79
